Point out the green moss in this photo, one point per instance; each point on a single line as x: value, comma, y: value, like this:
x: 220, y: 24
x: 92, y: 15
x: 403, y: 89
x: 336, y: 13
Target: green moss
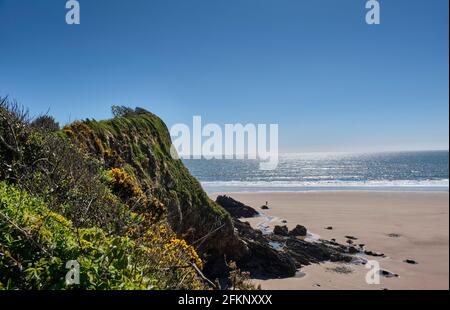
x: 142, y: 143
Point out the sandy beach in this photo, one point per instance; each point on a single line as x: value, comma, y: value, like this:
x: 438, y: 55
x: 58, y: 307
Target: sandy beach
x: 402, y: 225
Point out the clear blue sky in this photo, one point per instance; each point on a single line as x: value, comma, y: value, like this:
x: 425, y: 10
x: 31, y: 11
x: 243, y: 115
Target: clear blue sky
x: 331, y: 82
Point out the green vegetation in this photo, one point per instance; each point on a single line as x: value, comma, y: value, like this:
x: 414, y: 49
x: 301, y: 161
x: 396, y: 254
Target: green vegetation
x: 59, y: 203
x: 138, y: 143
x: 109, y: 195
x: 36, y: 243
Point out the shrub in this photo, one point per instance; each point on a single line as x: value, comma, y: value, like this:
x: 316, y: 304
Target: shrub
x: 122, y: 111
x: 172, y: 259
x: 125, y: 186
x: 179, y: 245
x: 240, y: 280
x: 45, y: 123
x: 87, y: 175
x: 36, y: 243
x: 48, y: 165
x: 13, y: 135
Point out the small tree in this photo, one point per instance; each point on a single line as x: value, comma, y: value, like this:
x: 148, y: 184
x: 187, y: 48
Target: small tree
x: 121, y: 111
x: 46, y: 123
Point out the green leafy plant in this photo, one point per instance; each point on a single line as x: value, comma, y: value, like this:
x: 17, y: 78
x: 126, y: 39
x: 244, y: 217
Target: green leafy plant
x: 36, y: 243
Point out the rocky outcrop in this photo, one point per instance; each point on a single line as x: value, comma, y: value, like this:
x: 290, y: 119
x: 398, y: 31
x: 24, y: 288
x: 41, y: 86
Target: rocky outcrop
x: 281, y: 230
x: 262, y: 261
x: 375, y: 254
x: 236, y: 208
x: 140, y: 143
x: 299, y: 231
x: 279, y: 256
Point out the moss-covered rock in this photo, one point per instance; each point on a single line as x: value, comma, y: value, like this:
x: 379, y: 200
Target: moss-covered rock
x: 60, y: 203
x: 140, y: 144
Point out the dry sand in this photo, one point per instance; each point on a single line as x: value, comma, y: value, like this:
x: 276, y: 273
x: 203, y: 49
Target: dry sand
x: 420, y: 221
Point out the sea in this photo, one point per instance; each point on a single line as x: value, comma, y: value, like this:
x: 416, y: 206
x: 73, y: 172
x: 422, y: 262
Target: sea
x: 386, y: 171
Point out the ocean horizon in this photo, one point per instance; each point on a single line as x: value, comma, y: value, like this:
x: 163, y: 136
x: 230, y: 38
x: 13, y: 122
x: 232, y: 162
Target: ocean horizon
x: 296, y: 172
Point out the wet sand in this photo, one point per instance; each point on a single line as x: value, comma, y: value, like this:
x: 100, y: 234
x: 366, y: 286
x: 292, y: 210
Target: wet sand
x: 402, y: 225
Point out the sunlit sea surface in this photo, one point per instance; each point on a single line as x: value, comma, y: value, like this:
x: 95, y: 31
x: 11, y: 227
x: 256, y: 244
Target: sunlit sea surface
x: 400, y: 171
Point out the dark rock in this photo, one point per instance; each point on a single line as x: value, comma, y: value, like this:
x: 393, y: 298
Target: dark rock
x: 264, y: 207
x: 246, y: 231
x: 264, y: 262
x: 216, y: 268
x: 410, y: 261
x: 281, y: 230
x: 394, y: 235
x: 371, y: 253
x: 235, y: 208
x: 351, y: 237
x: 335, y: 246
x: 349, y: 241
x: 298, y: 231
x: 352, y: 250
x: 284, y: 221
x: 261, y: 260
x: 305, y: 253
x: 388, y: 274
x: 333, y: 242
x: 329, y: 228
x: 338, y: 257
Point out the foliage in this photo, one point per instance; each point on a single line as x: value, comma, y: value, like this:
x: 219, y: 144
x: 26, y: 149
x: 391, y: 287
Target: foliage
x: 107, y: 194
x: 125, y: 186
x: 36, y: 243
x: 122, y: 111
x: 48, y: 165
x: 240, y: 280
x: 45, y: 123
x: 73, y: 208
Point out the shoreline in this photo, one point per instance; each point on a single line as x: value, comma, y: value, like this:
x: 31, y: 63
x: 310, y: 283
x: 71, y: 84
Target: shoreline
x: 352, y: 190
x: 401, y: 225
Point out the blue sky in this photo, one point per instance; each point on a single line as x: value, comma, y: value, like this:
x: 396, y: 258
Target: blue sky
x: 331, y: 82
